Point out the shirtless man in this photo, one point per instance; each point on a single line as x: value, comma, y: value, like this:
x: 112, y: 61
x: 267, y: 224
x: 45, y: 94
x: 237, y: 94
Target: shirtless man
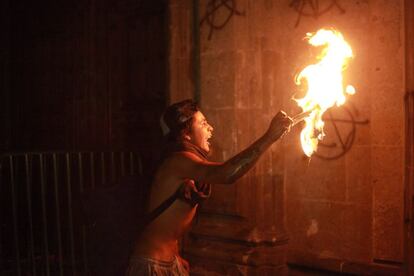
x: 184, y: 167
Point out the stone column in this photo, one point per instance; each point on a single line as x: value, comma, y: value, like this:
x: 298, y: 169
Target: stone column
x: 180, y: 77
x: 409, y: 138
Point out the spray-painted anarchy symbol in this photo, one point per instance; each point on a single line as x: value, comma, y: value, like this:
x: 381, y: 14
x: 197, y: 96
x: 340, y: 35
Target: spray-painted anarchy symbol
x: 313, y: 8
x: 340, y: 129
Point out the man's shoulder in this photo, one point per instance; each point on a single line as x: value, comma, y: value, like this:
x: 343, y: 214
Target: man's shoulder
x: 183, y: 156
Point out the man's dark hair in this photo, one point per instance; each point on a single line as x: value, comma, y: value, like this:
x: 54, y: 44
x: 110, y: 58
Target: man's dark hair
x: 178, y: 117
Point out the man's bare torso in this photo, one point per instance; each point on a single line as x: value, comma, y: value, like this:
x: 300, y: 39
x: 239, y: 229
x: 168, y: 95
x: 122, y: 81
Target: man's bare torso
x: 159, y: 240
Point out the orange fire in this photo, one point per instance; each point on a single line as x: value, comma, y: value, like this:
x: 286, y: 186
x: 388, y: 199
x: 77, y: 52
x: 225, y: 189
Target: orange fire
x: 324, y: 84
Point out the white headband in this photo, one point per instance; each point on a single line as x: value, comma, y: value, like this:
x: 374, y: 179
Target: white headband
x: 165, y: 129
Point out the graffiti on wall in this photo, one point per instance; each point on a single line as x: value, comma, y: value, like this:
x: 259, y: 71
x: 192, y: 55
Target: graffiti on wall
x: 341, y: 125
x: 313, y: 8
x: 214, y: 22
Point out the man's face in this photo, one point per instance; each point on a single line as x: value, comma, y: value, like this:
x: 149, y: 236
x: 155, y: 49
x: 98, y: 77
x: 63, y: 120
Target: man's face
x: 201, y: 131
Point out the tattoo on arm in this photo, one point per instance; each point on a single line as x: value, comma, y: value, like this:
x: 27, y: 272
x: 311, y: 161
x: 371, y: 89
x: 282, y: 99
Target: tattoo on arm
x: 240, y: 164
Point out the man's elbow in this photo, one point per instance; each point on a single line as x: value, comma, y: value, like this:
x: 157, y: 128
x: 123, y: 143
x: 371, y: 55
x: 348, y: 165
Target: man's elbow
x: 221, y: 175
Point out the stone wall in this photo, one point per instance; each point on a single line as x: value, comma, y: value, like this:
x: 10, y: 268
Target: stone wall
x: 344, y: 208
x: 409, y: 137
x: 351, y: 208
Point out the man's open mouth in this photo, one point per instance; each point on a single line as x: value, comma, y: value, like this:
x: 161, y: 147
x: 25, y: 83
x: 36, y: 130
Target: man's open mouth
x: 207, y: 140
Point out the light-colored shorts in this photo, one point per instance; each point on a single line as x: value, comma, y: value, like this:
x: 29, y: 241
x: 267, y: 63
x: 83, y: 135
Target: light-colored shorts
x: 141, y: 266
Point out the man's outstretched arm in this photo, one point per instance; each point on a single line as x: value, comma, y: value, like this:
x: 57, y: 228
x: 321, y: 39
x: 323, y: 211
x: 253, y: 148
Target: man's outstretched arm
x: 240, y: 164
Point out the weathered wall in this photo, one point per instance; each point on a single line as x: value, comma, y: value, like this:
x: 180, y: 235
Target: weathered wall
x: 180, y: 85
x: 409, y: 137
x: 350, y: 208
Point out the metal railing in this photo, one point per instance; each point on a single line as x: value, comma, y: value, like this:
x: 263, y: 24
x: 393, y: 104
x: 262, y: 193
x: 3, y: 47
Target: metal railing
x: 42, y: 231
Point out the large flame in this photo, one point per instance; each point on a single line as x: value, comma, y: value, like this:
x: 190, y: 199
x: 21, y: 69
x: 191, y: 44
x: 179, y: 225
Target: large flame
x: 324, y: 84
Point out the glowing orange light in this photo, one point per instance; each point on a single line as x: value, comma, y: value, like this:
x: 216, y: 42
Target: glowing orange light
x: 324, y: 84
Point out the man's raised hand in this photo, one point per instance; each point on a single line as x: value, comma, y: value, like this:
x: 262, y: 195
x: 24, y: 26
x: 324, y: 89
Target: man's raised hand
x: 279, y: 125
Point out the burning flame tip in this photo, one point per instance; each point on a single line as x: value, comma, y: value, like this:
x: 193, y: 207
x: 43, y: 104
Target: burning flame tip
x: 324, y: 84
